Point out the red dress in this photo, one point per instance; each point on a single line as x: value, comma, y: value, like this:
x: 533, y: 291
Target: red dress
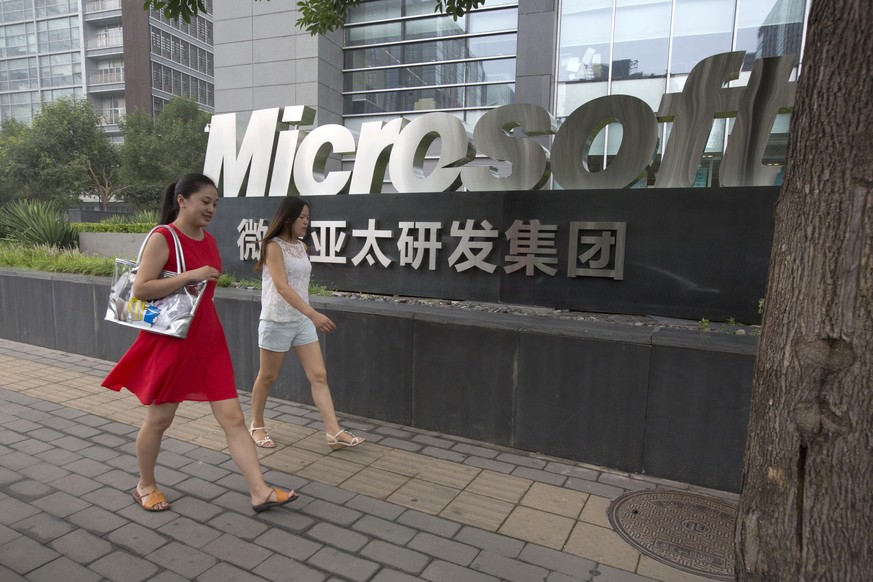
x: 161, y: 369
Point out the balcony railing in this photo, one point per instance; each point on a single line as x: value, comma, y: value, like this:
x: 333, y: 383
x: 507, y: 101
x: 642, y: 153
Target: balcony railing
x: 112, y: 115
x: 106, y: 77
x: 101, y: 5
x: 105, y: 42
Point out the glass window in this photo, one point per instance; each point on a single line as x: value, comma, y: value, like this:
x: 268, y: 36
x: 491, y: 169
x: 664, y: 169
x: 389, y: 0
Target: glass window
x: 586, y: 28
x: 373, y: 33
x: 489, y: 71
x: 572, y: 95
x: 18, y: 74
x: 490, y: 95
x: 642, y: 32
x: 493, y: 20
x: 377, y: 10
x: 55, y: 7
x: 701, y: 28
x: 60, y: 70
x: 433, y: 27
x: 769, y: 28
x: 12, y: 10
x: 17, y: 40
x: 492, y: 46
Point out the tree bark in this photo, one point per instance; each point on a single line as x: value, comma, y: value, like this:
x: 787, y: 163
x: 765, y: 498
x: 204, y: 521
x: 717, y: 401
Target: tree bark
x: 807, y: 494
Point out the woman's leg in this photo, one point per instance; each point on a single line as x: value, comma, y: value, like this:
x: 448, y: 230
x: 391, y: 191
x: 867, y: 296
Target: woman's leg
x: 158, y: 419
x: 270, y: 364
x: 242, y: 449
x: 313, y: 364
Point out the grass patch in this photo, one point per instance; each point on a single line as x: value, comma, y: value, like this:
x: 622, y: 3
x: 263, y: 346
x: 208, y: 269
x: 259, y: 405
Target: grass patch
x: 54, y: 260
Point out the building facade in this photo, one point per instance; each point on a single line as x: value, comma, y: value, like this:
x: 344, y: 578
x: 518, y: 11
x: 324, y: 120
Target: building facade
x: 111, y: 51
x: 398, y: 58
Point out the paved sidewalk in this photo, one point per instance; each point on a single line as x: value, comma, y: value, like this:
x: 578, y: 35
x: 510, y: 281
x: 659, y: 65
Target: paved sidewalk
x: 406, y: 505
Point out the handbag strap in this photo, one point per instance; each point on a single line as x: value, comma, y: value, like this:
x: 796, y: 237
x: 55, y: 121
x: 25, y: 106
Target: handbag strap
x: 180, y: 256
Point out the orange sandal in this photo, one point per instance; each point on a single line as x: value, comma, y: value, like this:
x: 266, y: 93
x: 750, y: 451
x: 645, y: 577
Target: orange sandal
x: 282, y: 497
x: 149, y: 501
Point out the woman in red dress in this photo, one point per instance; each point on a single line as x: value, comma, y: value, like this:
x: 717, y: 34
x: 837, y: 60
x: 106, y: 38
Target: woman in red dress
x: 163, y: 371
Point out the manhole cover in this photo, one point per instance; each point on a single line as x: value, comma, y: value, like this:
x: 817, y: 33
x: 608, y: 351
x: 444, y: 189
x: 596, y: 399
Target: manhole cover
x: 687, y: 531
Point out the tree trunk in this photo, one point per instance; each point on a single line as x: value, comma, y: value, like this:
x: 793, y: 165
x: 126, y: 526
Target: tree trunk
x: 807, y: 494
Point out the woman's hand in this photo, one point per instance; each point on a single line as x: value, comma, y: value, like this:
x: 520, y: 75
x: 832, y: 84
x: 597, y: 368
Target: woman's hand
x: 322, y: 322
x: 205, y: 273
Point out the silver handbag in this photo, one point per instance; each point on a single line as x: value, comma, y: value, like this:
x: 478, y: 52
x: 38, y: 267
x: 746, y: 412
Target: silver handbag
x: 171, y: 315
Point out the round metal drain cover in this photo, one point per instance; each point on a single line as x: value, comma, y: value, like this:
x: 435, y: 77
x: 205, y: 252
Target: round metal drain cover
x: 689, y: 532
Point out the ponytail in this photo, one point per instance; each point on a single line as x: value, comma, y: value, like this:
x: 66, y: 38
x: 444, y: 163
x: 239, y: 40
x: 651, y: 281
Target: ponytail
x: 169, y: 207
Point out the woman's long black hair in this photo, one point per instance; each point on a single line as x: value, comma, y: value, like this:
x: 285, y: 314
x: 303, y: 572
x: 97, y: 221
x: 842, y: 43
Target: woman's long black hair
x: 186, y: 185
x: 283, y: 219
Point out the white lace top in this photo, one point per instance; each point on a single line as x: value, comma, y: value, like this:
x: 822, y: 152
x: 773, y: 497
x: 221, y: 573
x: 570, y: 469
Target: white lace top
x: 297, y: 269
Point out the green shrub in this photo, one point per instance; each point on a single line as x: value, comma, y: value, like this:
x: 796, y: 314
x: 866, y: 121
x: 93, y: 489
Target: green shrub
x: 145, y: 217
x: 128, y: 227
x: 53, y: 259
x: 37, y: 222
x: 116, y: 219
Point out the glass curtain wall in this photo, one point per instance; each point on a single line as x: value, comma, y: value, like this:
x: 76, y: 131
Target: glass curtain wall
x: 402, y: 59
x: 646, y: 48
x: 40, y: 55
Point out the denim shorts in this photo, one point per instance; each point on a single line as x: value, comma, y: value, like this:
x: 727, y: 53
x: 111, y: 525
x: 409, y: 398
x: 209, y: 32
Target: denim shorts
x: 280, y: 336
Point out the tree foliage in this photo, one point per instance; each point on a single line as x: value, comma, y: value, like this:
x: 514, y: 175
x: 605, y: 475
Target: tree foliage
x: 65, y: 154
x: 316, y: 16
x: 157, y: 151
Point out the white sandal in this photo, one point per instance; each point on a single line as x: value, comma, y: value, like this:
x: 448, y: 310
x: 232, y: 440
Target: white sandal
x: 335, y: 443
x: 264, y: 443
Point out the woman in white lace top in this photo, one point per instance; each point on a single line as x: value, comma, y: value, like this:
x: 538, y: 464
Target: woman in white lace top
x: 288, y: 321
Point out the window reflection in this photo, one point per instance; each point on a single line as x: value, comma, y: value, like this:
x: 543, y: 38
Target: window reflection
x: 701, y: 28
x: 642, y: 32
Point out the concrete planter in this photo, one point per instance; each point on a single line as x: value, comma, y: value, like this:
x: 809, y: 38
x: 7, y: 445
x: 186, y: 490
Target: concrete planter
x: 110, y: 244
x: 670, y: 403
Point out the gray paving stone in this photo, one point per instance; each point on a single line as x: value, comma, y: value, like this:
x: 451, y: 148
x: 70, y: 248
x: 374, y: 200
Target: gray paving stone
x: 44, y: 472
x: 60, y: 504
x: 177, y: 446
x: 173, y: 460
x: 439, y: 571
x: 232, y: 549
x: 595, y: 488
x: 444, y: 549
x: 150, y: 519
x: 7, y: 534
x: 383, y: 529
x: 284, y: 480
x: 540, y: 476
x: 7, y: 437
x: 241, y: 526
x: 189, y: 532
x: 22, y: 426
x: 625, y: 482
x: 433, y: 441
x: 122, y: 567
x: 401, y: 444
x: 343, y: 564
x: 183, y: 560
x: 375, y: 507
x: 555, y: 560
x: 167, y: 576
x: 88, y: 467
x: 43, y: 527
x: 122, y: 480
x: 98, y: 453
x: 331, y: 512
x: 69, y: 413
x: 97, y: 520
x: 227, y: 573
x: 490, y: 464
x: 92, y: 420
x: 109, y: 498
x: 281, y: 568
x: 45, y: 435
x: 197, y: 509
x: 327, y: 492
x: 46, y: 406
x: 391, y: 555
x: 507, y: 568
x: 387, y: 575
x: 83, y: 432
x: 71, y: 443
x: 503, y: 545
x: 204, y: 471
x: 8, y: 476
x: 339, y: 537
x: 208, y: 456
x: 444, y: 454
x: 12, y: 510
x: 604, y: 573
x: 59, y: 457
x: 63, y: 569
x: 118, y: 428
x: 522, y: 460
x: 289, y: 519
x: 32, y: 446
x: 18, y: 460
x: 29, y: 489
x: 137, y: 539
x: 200, y: 488
x: 572, y: 472
x: 422, y: 521
x: 81, y: 546
x: 287, y: 544
x: 24, y: 554
x: 394, y: 432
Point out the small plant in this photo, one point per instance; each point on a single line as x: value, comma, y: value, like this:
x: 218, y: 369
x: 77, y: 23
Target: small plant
x: 225, y: 280
x: 37, y: 222
x: 761, y: 306
x: 53, y: 259
x: 145, y: 217
x: 704, y: 324
x: 728, y: 324
x: 116, y: 219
